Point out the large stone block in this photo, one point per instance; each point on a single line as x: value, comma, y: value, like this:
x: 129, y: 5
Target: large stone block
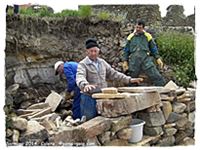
x: 68, y: 136
x: 134, y: 102
x: 96, y: 126
x: 35, y: 133
x: 152, y: 119
x: 178, y: 107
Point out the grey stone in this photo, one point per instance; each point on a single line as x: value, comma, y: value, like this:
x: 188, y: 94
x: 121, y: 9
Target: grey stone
x: 9, y: 132
x: 181, y: 123
x: 152, y: 131
x: 190, y: 106
x: 105, y: 137
x: 153, y: 118
x: 187, y: 141
x: 19, y: 123
x: 166, y: 141
x: 178, y: 107
x: 191, y: 117
x: 173, y: 117
x: 179, y: 136
x: 170, y: 131
x: 35, y: 133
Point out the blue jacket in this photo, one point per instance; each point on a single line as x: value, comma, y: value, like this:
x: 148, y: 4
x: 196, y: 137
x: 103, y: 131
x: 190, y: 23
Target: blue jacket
x: 70, y: 69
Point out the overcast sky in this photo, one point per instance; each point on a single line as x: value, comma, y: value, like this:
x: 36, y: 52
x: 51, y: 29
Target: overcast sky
x: 59, y: 5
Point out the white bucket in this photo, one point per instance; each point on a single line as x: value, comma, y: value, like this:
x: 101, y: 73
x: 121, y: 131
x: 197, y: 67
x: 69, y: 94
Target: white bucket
x: 137, y: 130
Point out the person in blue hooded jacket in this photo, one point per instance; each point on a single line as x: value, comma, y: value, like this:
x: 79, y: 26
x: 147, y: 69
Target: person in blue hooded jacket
x: 69, y: 69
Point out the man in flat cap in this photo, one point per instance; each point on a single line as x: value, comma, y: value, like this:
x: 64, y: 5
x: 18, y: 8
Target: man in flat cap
x: 92, y: 73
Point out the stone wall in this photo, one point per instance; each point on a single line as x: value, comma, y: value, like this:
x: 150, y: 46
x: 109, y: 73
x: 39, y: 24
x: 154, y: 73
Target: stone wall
x: 33, y: 45
x: 169, y: 115
x: 130, y: 13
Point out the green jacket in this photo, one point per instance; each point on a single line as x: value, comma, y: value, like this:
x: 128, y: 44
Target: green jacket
x: 140, y: 42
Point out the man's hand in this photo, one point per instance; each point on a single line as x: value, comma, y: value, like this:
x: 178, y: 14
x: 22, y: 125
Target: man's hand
x: 125, y: 66
x: 69, y: 95
x: 89, y: 87
x: 136, y: 80
x: 160, y: 63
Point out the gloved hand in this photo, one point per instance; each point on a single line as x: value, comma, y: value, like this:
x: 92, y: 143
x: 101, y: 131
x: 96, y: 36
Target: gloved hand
x: 125, y: 66
x: 160, y: 63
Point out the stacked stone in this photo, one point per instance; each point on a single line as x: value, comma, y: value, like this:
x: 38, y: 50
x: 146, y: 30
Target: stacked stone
x: 179, y: 111
x: 174, y: 123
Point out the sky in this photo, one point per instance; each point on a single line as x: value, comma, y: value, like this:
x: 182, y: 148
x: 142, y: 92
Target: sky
x: 60, y: 5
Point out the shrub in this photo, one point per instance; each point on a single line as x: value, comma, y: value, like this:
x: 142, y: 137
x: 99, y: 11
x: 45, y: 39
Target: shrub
x: 103, y: 15
x: 177, y: 50
x: 85, y: 11
x: 67, y: 12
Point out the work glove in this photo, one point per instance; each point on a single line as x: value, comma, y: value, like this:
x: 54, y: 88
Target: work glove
x: 160, y: 63
x: 125, y: 66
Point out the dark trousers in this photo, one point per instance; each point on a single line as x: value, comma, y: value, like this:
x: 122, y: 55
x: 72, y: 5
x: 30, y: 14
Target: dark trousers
x: 88, y: 106
x: 76, y: 109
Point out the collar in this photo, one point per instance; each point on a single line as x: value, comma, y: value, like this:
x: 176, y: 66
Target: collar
x: 89, y: 61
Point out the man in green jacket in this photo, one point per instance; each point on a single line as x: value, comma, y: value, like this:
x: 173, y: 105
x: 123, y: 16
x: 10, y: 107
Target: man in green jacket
x: 139, y: 46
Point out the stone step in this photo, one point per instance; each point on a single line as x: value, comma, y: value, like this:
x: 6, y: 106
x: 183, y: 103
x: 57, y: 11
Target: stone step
x: 109, y: 96
x: 124, y: 106
x: 142, y: 89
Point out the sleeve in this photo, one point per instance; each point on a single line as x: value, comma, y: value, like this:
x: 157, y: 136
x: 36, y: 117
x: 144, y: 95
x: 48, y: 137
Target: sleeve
x: 81, y: 80
x: 112, y: 74
x: 70, y: 76
x: 153, y: 49
x: 126, y: 51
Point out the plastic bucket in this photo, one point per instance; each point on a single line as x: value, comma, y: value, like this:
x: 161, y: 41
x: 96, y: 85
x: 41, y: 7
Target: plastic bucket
x: 137, y: 130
